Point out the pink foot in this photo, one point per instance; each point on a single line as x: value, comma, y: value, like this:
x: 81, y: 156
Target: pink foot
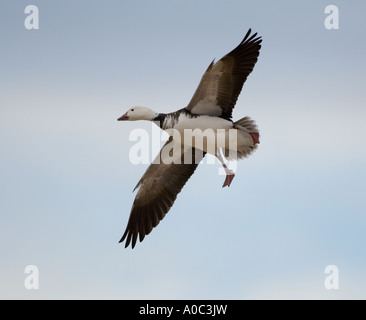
x: 229, y: 178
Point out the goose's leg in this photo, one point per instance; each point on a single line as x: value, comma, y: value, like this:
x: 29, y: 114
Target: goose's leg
x: 229, y: 173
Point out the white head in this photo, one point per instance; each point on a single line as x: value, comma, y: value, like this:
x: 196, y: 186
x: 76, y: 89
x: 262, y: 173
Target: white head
x: 138, y: 113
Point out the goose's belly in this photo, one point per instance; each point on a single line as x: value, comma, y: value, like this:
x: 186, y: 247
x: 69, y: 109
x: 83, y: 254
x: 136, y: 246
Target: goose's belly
x: 204, y: 132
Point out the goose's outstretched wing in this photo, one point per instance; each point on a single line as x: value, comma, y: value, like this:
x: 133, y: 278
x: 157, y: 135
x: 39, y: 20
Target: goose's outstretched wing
x: 159, y: 187
x: 222, y: 82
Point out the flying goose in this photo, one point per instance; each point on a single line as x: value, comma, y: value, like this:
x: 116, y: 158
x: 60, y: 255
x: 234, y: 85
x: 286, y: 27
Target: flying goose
x: 210, y: 108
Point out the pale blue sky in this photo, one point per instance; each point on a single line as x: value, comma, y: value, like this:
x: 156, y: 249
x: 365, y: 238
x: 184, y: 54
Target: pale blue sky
x: 295, y: 206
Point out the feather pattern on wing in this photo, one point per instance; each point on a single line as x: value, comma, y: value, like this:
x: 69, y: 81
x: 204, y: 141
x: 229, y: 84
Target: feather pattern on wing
x: 159, y: 187
x: 221, y: 84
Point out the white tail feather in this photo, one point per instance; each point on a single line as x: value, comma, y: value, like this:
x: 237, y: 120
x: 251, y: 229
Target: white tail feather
x: 245, y: 144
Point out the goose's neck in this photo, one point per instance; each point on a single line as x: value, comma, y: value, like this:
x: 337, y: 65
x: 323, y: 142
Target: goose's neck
x: 159, y: 119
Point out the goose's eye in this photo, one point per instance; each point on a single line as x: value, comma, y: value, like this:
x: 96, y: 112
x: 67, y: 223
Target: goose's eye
x: 131, y: 109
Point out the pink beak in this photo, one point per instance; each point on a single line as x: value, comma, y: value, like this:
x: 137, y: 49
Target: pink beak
x: 124, y: 117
